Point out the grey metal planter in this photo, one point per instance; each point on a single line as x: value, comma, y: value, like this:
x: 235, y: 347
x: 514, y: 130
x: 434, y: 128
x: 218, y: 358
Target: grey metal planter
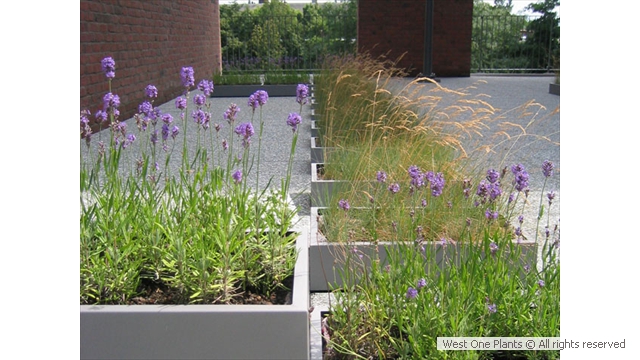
x: 315, y: 131
x: 318, y: 152
x: 554, y: 89
x: 324, y: 256
x: 323, y: 190
x: 202, y: 331
x: 246, y: 90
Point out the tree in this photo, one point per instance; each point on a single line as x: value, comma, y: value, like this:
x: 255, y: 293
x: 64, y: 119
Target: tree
x: 496, y: 33
x: 543, y: 45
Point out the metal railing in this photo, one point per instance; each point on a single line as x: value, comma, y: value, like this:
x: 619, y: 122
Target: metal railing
x: 507, y: 44
x: 286, y: 43
x: 500, y: 43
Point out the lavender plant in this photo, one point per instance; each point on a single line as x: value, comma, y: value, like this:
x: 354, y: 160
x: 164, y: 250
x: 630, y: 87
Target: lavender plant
x: 481, y: 284
x: 151, y: 235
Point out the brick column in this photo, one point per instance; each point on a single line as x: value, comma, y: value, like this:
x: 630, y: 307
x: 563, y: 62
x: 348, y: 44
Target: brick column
x: 394, y: 28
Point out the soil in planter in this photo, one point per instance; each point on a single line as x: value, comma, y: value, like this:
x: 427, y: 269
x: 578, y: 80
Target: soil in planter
x: 158, y: 293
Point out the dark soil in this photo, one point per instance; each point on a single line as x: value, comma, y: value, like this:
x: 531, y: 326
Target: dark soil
x: 157, y: 293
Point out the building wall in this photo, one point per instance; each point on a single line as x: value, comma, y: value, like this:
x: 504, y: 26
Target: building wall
x: 150, y: 42
x: 396, y: 28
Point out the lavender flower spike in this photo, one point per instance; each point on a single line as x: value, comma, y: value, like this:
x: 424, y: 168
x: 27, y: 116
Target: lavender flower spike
x: 381, y: 176
x: 294, y: 120
x: 262, y: 97
x: 302, y: 91
x: 109, y: 67
x: 547, y: 168
x: 492, y: 308
x: 206, y: 86
x: 344, y: 204
x: 186, y: 75
x: 151, y: 91
x: 237, y: 176
x: 412, y: 293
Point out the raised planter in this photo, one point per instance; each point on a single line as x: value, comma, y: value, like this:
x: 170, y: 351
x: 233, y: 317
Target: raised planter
x: 247, y: 90
x: 318, y: 152
x: 315, y: 132
x: 202, y: 331
x: 323, y: 190
x: 324, y: 256
x: 554, y: 89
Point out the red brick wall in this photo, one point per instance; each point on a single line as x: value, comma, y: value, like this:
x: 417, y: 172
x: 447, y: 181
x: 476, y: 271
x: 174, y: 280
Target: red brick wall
x: 150, y: 42
x: 393, y: 28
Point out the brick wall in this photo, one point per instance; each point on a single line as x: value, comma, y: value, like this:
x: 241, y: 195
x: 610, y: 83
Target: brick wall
x: 394, y: 28
x: 150, y: 42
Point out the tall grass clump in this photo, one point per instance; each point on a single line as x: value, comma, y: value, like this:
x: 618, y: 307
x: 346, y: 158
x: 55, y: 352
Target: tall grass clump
x: 425, y: 182
x: 152, y: 232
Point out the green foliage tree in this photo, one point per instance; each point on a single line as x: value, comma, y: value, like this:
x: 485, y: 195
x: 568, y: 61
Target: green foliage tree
x: 543, y: 45
x: 274, y: 35
x: 497, y: 41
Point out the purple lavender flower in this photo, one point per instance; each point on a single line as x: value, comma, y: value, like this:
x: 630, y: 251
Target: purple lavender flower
x: 493, y: 175
x: 253, y: 102
x: 551, y: 195
x: 262, y: 97
x: 225, y: 144
x: 520, y: 219
x: 494, y: 191
x: 206, y: 86
x: 231, y: 112
x: 151, y: 91
x: 218, y: 127
x: 423, y: 203
x: 294, y: 120
x: 381, y: 176
x: 84, y: 117
x: 517, y: 168
x: 414, y: 171
x: 128, y: 140
x: 237, y: 176
x: 547, y: 168
x: 541, y: 283
x: 412, y: 293
x: 109, y: 67
x: 483, y: 190
x: 512, y: 197
x: 421, y: 283
x: 199, y: 99
x: 344, y: 204
x: 181, y: 103
x: 493, y: 247
x: 394, y: 188
x: 174, y: 132
x: 154, y: 137
x: 101, y: 116
x: 167, y: 119
x: 302, y: 91
x: 111, y: 100
x: 518, y: 231
x: 186, y: 75
x: 492, y: 308
x: 145, y: 108
x: 437, y: 184
x: 357, y: 252
x: 199, y: 117
x: 246, y: 131
x: 165, y: 132
x: 522, y: 180
x: 526, y: 268
x: 487, y: 213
